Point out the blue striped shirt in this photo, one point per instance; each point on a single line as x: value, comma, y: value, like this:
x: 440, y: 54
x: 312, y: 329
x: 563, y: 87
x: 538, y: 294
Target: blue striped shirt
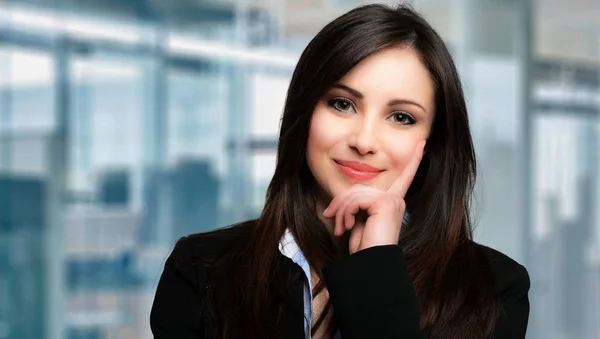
x: 289, y: 248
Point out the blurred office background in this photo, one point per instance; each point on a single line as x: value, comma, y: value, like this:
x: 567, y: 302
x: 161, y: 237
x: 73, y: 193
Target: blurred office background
x: 126, y: 124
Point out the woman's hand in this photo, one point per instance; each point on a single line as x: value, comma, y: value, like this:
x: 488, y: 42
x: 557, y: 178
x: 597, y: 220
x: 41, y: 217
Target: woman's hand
x: 384, y: 209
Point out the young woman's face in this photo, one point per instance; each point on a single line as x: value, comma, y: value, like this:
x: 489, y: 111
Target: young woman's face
x: 366, y: 127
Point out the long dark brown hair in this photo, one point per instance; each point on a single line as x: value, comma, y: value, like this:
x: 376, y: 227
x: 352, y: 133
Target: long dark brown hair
x: 451, y: 276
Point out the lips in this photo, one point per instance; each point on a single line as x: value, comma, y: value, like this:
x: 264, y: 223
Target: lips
x: 357, y: 171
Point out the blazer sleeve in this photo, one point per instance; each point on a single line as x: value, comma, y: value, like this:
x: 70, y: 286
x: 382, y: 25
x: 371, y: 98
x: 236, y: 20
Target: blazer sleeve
x: 373, y: 296
x: 177, y: 302
x: 513, y: 282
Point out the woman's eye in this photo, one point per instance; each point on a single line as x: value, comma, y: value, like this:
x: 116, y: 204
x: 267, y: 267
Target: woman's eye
x: 341, y: 105
x: 402, y: 119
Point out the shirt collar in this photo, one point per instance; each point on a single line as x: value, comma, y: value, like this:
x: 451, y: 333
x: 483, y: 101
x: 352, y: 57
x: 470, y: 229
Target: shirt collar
x: 289, y: 247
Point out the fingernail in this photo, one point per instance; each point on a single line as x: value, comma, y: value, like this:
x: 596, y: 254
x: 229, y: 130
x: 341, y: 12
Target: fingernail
x: 325, y: 211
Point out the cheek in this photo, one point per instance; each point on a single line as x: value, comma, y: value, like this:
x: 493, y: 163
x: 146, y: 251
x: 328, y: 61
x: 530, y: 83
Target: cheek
x: 316, y: 144
x: 324, y: 133
x: 401, y: 150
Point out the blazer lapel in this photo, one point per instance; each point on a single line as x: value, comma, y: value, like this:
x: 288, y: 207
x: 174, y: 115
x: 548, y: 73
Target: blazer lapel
x: 293, y: 317
x: 292, y: 320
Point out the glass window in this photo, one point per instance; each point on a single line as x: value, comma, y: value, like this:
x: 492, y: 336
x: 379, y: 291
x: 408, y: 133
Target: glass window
x: 26, y: 125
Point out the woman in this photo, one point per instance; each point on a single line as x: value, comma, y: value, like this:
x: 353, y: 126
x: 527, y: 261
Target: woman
x: 365, y: 231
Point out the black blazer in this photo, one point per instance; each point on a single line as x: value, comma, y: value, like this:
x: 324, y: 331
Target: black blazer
x: 193, y: 288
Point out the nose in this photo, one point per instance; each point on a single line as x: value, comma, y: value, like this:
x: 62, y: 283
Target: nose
x: 363, y: 138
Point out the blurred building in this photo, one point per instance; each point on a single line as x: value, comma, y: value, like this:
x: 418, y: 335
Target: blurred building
x: 101, y: 274
x: 114, y: 188
x: 22, y: 264
x: 180, y: 202
x: 194, y: 190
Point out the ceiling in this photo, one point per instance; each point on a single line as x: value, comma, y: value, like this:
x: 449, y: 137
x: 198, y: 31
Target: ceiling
x: 562, y: 29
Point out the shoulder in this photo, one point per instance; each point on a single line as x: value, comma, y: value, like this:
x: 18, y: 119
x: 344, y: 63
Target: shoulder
x: 193, y: 280
x: 510, y: 277
x: 211, y: 249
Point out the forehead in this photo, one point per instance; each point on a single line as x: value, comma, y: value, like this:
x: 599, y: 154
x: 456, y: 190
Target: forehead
x: 396, y: 72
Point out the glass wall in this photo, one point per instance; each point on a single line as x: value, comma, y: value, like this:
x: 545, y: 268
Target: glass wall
x: 27, y: 119
x: 126, y: 125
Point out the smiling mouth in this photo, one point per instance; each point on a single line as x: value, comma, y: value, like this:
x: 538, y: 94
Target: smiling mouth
x: 357, y: 171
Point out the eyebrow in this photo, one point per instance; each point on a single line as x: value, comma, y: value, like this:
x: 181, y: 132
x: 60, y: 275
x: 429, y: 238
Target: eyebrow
x: 391, y: 103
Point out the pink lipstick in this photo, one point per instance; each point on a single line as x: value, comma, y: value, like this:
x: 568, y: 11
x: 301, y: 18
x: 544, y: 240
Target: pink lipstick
x: 357, y: 170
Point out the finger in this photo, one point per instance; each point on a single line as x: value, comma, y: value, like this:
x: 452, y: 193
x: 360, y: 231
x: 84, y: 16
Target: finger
x: 352, y: 205
x: 337, y: 218
x: 340, y: 216
x: 335, y: 203
x: 401, y: 185
x: 338, y: 226
x: 356, y: 237
x: 338, y: 200
x: 355, y: 205
x: 348, y: 215
x: 351, y: 209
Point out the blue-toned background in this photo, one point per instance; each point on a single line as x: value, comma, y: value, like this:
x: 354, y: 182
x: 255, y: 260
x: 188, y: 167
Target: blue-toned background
x: 126, y: 124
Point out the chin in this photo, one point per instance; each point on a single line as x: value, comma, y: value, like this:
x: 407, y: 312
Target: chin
x: 339, y: 188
